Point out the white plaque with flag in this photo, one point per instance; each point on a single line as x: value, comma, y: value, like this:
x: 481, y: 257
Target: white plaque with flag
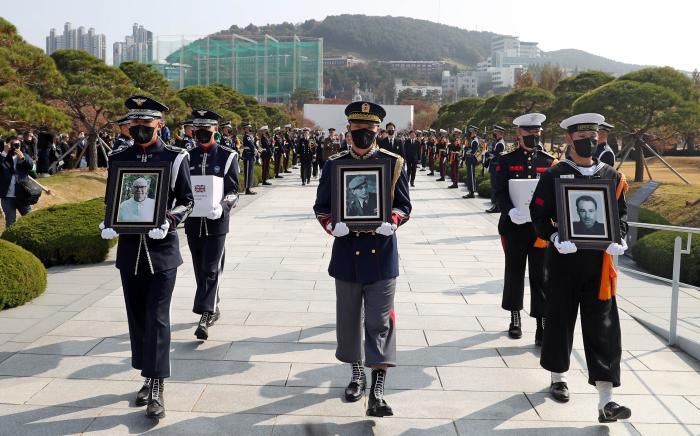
x: 521, y: 192
x: 208, y: 192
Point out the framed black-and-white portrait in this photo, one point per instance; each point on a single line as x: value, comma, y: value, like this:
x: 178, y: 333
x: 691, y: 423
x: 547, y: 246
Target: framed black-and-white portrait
x: 587, y: 212
x: 361, y: 193
x: 136, y: 196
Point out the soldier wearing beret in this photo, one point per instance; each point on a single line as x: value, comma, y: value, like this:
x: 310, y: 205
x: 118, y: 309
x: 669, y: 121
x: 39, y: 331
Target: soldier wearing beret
x: 148, y: 263
x: 206, y: 236
x: 581, y: 278
x: 365, y: 265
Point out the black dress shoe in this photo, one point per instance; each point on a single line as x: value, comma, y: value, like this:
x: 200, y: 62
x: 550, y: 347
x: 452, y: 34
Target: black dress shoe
x: 303, y: 183
x: 279, y: 177
x: 538, y: 336
x: 288, y: 172
x: 142, y: 394
x: 358, y: 384
x: 560, y: 391
x: 430, y: 174
x: 494, y: 209
x: 452, y: 186
x: 376, y: 405
x: 249, y: 192
x: 470, y: 195
x: 612, y: 412
x: 412, y: 185
x: 266, y: 183
x: 514, y: 329
x: 441, y: 179
x: 156, y: 400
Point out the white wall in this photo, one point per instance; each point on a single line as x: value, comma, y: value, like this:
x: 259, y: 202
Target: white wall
x: 333, y: 115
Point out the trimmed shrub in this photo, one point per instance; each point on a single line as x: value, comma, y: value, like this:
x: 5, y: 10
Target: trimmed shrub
x: 257, y: 176
x: 648, y: 216
x: 63, y: 234
x: 654, y: 252
x: 484, y: 188
x: 22, y: 276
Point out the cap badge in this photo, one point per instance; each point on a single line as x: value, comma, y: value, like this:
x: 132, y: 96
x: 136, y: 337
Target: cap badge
x: 201, y: 112
x: 139, y: 101
x: 365, y: 107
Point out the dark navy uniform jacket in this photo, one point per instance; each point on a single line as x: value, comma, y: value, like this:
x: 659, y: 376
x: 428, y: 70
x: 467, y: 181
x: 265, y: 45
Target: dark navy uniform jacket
x: 266, y: 145
x: 472, y: 149
x: 365, y: 257
x: 304, y: 149
x: 220, y: 161
x: 122, y: 141
x: 161, y: 254
x: 605, y: 154
x: 187, y: 143
x: 249, y: 149
x: 518, y: 164
x: 497, y: 148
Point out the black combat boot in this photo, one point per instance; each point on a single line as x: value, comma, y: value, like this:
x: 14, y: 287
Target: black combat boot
x: 377, y: 406
x: 540, y: 330
x: 358, y: 383
x: 202, y: 331
x: 156, y: 400
x: 514, y: 330
x: 142, y: 394
x: 470, y: 195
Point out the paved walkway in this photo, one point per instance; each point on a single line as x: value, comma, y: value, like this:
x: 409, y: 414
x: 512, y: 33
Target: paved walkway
x: 269, y: 366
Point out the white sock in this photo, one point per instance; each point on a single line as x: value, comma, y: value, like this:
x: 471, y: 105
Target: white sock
x: 558, y: 377
x: 605, y: 394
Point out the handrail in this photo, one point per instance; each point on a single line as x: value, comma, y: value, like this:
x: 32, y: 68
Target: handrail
x: 675, y: 281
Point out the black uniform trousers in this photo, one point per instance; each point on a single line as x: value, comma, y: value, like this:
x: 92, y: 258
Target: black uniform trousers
x: 454, y: 171
x: 471, y: 163
x: 492, y: 177
x: 443, y: 160
x: 305, y: 169
x: 431, y: 163
x: 573, y: 281
x: 265, y: 168
x: 249, y: 167
x: 412, y: 167
x: 278, y: 163
x: 315, y: 167
x: 518, y: 245
x: 147, y: 297
x: 208, y: 253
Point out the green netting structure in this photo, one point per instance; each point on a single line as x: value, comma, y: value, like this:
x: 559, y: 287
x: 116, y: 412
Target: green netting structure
x: 267, y: 68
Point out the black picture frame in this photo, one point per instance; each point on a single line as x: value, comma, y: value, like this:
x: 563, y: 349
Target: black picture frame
x: 375, y: 176
x: 119, y: 213
x: 587, y: 212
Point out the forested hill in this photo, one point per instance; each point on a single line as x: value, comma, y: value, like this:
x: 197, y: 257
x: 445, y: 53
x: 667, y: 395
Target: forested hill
x: 401, y: 38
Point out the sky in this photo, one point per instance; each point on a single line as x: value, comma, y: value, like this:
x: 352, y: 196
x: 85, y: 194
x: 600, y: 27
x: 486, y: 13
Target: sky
x: 639, y: 32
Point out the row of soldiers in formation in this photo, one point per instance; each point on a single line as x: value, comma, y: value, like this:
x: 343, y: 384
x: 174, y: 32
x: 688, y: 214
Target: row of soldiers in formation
x: 365, y: 263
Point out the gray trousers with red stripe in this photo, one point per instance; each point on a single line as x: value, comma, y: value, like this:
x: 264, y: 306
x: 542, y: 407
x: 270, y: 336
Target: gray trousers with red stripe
x: 377, y: 300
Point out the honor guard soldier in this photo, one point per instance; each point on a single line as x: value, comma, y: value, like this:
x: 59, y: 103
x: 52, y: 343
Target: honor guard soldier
x: 498, y: 147
x: 411, y: 148
x: 306, y: 155
x: 206, y: 235
x: 581, y: 278
x: 518, y: 237
x: 265, y: 154
x: 148, y: 263
x: 423, y: 150
x: 441, y: 153
x: 470, y: 160
x: 330, y: 146
x: 454, y: 150
x: 278, y: 150
x: 288, y: 147
x: 187, y: 141
x: 431, y: 146
x: 250, y: 154
x: 123, y: 139
x: 365, y: 265
x: 225, y: 130
x: 603, y: 152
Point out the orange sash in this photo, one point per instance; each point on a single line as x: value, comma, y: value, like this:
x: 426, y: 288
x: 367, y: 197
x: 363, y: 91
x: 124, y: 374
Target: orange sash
x: 608, y: 275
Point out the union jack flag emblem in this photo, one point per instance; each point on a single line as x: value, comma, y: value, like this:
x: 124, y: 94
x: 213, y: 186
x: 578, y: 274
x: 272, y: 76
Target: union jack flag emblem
x: 200, y: 188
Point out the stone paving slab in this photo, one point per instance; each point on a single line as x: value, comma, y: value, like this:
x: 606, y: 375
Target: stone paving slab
x: 269, y: 366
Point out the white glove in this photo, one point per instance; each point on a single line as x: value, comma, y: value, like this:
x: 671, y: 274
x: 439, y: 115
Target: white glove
x: 159, y: 233
x: 517, y: 217
x: 340, y: 229
x: 108, y: 232
x: 386, y: 229
x: 566, y: 247
x: 615, y: 249
x: 215, y: 213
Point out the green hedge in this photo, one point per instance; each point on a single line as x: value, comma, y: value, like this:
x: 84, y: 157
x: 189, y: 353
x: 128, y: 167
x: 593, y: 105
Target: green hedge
x: 484, y: 188
x: 22, y: 276
x: 257, y: 175
x: 648, y: 216
x: 654, y: 252
x: 63, y: 234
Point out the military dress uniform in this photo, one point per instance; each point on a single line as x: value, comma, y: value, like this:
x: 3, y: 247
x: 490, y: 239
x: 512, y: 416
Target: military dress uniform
x: 265, y: 154
x: 278, y: 152
x: 454, y: 149
x: 148, y: 266
x: 498, y: 147
x: 250, y: 153
x: 206, y: 236
x: 305, y: 151
x: 471, y: 162
x: 519, y: 241
x: 581, y: 279
x: 365, y: 266
x: 441, y: 154
x: 412, y: 149
x: 122, y: 141
x: 431, y: 151
x: 288, y: 147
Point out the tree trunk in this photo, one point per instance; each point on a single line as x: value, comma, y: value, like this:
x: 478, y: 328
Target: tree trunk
x: 639, y: 162
x: 92, y: 151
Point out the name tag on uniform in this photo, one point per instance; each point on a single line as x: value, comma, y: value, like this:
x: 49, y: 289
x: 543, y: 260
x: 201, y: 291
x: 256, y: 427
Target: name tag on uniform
x: 566, y: 176
x: 208, y: 192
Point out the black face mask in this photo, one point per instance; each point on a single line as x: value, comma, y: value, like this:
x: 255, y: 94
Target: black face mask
x: 141, y: 134
x: 531, y: 141
x: 584, y: 147
x: 363, y: 138
x: 203, y: 136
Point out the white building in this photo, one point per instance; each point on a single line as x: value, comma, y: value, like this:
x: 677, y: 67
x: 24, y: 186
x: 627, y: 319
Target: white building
x: 90, y: 41
x: 136, y: 47
x: 508, y: 51
x: 460, y: 85
x: 422, y: 89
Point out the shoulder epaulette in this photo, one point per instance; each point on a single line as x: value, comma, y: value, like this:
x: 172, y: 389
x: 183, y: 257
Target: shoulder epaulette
x: 118, y: 150
x: 337, y: 155
x: 175, y: 149
x: 229, y: 149
x: 387, y: 152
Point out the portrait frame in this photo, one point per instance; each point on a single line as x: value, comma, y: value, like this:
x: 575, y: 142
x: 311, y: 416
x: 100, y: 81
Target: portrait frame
x: 375, y: 176
x: 587, y: 212
x: 120, y: 177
